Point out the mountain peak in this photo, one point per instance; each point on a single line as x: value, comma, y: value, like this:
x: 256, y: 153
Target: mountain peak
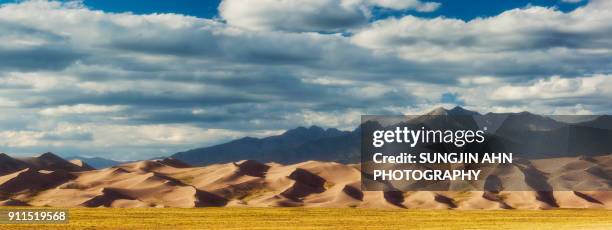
x: 458, y: 110
x: 304, y: 131
x: 50, y: 156
x: 97, y: 162
x: 80, y: 163
x: 315, y: 128
x: 4, y: 155
x: 438, y: 111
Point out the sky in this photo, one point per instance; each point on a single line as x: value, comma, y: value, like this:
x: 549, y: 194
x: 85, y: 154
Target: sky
x: 141, y: 79
x: 465, y: 10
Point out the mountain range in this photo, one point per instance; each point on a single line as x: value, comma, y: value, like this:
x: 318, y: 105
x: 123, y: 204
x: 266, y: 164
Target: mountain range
x: 296, y: 145
x: 524, y: 132
x: 45, y: 161
x: 97, y: 162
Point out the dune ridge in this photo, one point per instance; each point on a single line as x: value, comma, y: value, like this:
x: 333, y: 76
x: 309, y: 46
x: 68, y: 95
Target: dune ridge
x: 48, y: 180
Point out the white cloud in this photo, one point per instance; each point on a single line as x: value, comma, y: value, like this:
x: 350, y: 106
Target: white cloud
x: 310, y: 15
x: 80, y: 109
x: 6, y: 102
x: 534, y: 30
x: 475, y: 81
x: 558, y: 88
x: 345, y: 120
x: 293, y: 15
x: 578, y: 109
x: 553, y: 95
x: 407, y: 4
x: 60, y: 136
x: 133, y: 140
x: 572, y: 1
x: 43, y: 81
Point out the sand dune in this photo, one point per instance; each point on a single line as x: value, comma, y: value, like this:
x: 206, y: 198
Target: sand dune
x: 50, y: 161
x: 10, y: 165
x: 48, y: 180
x: 81, y: 164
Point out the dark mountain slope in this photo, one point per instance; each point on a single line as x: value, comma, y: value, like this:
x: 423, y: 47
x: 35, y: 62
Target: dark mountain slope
x: 279, y: 148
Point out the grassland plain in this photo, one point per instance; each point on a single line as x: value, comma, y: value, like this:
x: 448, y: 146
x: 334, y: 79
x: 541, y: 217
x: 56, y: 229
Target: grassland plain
x: 325, y: 218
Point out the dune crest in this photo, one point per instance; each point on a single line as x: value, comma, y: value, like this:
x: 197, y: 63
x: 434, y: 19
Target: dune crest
x: 49, y: 180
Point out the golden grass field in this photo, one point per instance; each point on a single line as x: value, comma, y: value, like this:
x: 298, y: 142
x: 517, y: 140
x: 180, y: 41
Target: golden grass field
x: 326, y: 218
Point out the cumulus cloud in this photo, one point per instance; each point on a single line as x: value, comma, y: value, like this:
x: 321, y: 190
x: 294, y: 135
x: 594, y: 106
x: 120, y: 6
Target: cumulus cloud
x: 571, y: 1
x: 293, y: 15
x: 557, y: 88
x: 24, y: 48
x: 553, y: 95
x: 81, y: 81
x: 310, y: 15
x: 537, y: 30
x: 406, y: 4
x: 80, y: 109
x: 101, y: 140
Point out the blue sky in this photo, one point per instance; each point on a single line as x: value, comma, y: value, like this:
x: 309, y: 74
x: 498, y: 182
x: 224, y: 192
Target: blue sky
x: 82, y: 79
x: 470, y: 9
x: 464, y: 9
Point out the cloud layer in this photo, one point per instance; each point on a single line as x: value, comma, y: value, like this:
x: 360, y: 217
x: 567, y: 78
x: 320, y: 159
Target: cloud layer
x: 80, y: 81
x: 310, y: 15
